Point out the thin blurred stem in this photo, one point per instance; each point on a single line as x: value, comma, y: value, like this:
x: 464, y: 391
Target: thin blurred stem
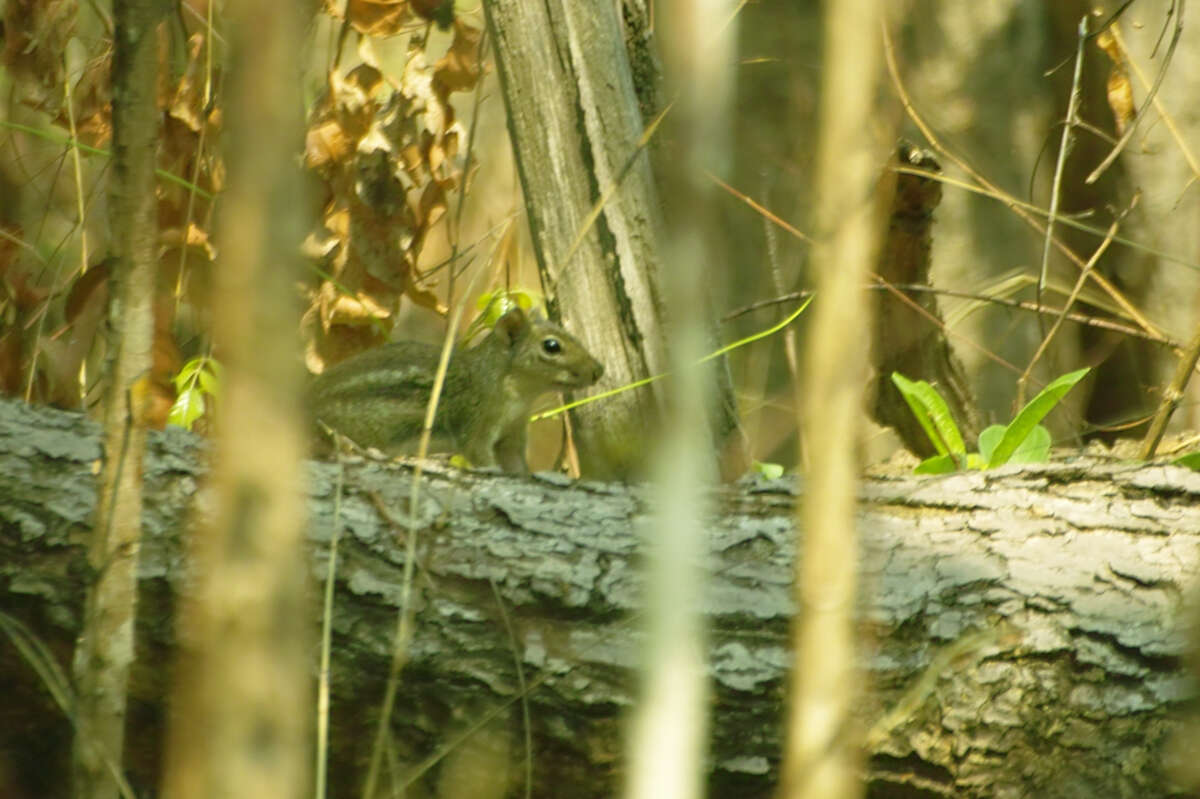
x: 822, y: 756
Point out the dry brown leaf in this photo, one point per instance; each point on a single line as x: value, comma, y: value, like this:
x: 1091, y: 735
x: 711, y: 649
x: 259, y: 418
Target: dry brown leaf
x: 358, y: 310
x: 92, y: 98
x: 426, y: 299
x: 326, y: 143
x: 1119, y: 87
x: 188, y: 103
x: 364, y: 79
x: 35, y: 36
x: 439, y: 11
x: 433, y: 205
x: 459, y: 69
x: 195, y: 236
x: 337, y: 221
x: 337, y: 343
x: 381, y: 18
x: 342, y: 117
x: 386, y: 152
x: 88, y: 290
x: 165, y: 362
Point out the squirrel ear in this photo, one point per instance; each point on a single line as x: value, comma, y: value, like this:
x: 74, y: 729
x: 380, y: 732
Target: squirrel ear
x: 511, y: 325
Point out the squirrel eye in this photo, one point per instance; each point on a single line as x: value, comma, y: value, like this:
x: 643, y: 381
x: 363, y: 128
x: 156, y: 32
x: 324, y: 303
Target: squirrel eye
x: 552, y: 346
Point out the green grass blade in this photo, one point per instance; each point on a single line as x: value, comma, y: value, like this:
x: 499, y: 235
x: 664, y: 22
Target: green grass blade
x: 933, y: 414
x: 1031, y: 416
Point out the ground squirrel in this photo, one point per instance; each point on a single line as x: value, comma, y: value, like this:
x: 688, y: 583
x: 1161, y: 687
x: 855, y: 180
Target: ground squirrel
x: 378, y: 398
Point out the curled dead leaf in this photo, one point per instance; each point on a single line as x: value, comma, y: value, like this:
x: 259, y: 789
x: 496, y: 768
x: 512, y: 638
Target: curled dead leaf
x: 92, y: 100
x: 459, y: 69
x: 380, y: 18
x: 439, y: 11
x: 1119, y: 88
x: 386, y: 149
x: 89, y: 290
x: 188, y: 104
x: 326, y: 143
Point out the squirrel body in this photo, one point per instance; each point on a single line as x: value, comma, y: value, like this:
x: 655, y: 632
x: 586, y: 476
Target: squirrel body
x: 378, y: 398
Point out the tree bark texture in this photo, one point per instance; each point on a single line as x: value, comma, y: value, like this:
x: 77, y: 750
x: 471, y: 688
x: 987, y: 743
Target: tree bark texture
x: 1056, y: 588
x: 105, y: 654
x: 909, y: 330
x: 574, y: 121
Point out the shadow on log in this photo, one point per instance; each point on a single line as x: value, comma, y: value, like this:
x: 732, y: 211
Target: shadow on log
x: 1056, y: 589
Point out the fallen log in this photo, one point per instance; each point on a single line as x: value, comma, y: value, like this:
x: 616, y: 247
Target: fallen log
x: 1021, y: 629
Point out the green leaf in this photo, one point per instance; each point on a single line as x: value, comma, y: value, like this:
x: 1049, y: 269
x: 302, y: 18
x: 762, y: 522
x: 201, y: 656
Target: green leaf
x: 988, y: 440
x: 186, y: 374
x: 1035, y: 448
x: 188, y: 407
x: 1031, y: 415
x: 938, y: 464
x: 933, y: 414
x: 1190, y: 460
x: 210, y: 377
x: 771, y: 471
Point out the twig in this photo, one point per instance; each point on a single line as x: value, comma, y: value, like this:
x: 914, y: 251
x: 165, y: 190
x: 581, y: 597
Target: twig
x: 1064, y: 147
x: 1046, y: 339
x: 1063, y: 219
x: 1171, y: 398
x: 1018, y: 207
x: 1020, y: 305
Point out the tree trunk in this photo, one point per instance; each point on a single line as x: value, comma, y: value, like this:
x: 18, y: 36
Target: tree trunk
x: 909, y: 333
x: 576, y: 127
x: 1019, y: 630
x: 105, y: 651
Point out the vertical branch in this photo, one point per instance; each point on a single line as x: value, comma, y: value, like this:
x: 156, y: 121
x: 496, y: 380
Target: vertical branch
x: 822, y: 750
x: 243, y: 702
x: 909, y: 335
x: 105, y: 651
x: 574, y: 123
x: 1064, y: 149
x: 670, y: 728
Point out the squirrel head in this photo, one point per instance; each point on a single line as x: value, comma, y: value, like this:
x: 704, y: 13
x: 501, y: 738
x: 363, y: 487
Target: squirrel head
x: 544, y: 352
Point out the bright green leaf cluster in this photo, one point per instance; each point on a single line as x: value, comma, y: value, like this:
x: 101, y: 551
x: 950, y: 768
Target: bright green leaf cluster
x: 199, y: 378
x: 1023, y: 440
x: 494, y: 304
x: 770, y: 471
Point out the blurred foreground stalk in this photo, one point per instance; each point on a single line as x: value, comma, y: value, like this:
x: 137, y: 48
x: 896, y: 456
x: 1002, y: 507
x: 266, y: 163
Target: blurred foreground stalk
x: 823, y: 748
x: 670, y: 733
x: 241, y: 720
